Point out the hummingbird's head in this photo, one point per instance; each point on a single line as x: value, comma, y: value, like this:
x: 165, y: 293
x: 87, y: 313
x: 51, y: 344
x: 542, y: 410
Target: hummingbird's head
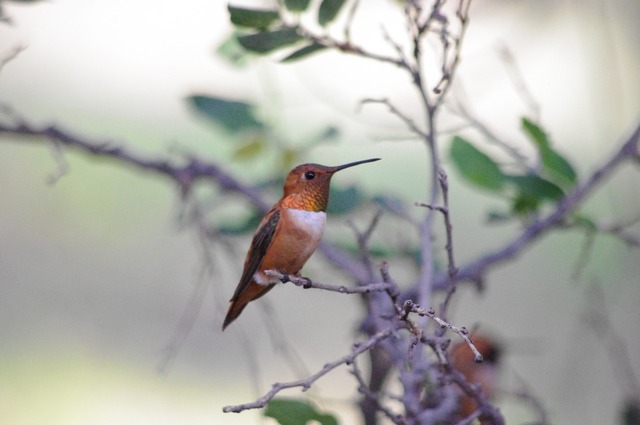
x: 307, y: 185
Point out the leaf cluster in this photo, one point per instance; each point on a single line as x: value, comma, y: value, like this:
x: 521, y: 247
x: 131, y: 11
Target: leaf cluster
x: 264, y: 31
x: 526, y: 189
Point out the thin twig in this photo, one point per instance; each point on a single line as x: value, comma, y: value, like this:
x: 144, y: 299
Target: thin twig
x: 342, y: 289
x: 11, y: 55
x: 306, y: 383
x: 410, y: 307
x: 374, y: 397
x: 395, y: 111
x: 347, y: 47
x: 444, y: 185
x: 363, y: 241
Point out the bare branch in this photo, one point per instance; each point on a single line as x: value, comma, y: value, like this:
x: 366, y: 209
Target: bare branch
x: 183, y: 175
x: 374, y: 398
x: 11, y: 55
x: 363, y: 241
x: 444, y: 186
x: 307, y: 284
x: 410, y: 307
x: 347, y: 47
x: 395, y: 111
x: 306, y: 383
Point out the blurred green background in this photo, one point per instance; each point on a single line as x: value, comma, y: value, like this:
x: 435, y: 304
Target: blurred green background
x: 96, y: 269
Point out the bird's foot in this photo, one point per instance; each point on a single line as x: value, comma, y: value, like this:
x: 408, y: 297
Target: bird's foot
x: 307, y: 282
x: 284, y: 278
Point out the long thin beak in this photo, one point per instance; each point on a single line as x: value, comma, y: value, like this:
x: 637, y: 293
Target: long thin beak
x: 351, y: 164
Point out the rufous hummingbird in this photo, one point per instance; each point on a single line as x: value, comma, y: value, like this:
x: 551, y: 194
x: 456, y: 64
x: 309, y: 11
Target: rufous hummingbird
x: 288, y: 233
x: 484, y: 374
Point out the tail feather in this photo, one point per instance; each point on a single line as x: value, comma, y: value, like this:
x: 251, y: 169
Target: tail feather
x: 238, y: 303
x: 235, y: 308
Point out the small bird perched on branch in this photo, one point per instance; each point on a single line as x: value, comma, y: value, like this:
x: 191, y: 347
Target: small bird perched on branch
x: 288, y: 233
x: 484, y: 374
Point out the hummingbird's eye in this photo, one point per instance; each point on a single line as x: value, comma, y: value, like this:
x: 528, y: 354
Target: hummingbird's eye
x: 309, y: 175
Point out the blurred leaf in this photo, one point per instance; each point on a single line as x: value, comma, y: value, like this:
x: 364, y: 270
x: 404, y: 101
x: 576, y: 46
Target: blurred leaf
x: 268, y: 41
x: 296, y: 412
x: 251, y: 149
x: 536, y: 187
x: 297, y: 5
x: 532, y: 191
x: 233, y: 52
x: 231, y: 115
x: 248, y: 225
x: 252, y: 18
x: 329, y: 10
x: 476, y: 166
x: 559, y: 169
x: 342, y: 201
x: 554, y: 165
x: 303, y: 52
x: 535, y: 133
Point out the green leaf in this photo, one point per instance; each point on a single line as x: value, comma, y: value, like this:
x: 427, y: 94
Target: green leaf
x: 296, y: 412
x: 231, y: 115
x: 303, y: 52
x: 535, y: 133
x: 558, y: 168
x: 342, y: 201
x: 554, y: 165
x: 268, y: 41
x: 476, y: 166
x: 531, y: 191
x: 329, y: 10
x: 297, y: 5
x: 536, y: 187
x: 252, y: 18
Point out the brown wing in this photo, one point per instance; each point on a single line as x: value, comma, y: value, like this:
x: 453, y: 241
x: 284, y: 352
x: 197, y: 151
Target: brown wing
x: 258, y: 249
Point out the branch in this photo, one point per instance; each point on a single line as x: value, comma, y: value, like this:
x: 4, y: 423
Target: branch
x: 183, y: 175
x: 348, y: 47
x: 444, y: 185
x: 307, y: 284
x: 410, y: 307
x: 363, y: 241
x: 11, y: 55
x: 475, y: 270
x: 373, y: 398
x: 306, y: 383
x: 395, y: 111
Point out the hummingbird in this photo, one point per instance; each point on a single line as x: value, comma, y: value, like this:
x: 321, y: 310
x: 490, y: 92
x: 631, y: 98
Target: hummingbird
x: 287, y: 234
x: 484, y: 374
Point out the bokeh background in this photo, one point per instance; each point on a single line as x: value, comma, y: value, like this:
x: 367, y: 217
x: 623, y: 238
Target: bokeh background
x: 97, y: 269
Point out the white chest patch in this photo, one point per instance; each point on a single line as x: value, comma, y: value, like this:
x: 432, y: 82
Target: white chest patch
x: 312, y: 222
